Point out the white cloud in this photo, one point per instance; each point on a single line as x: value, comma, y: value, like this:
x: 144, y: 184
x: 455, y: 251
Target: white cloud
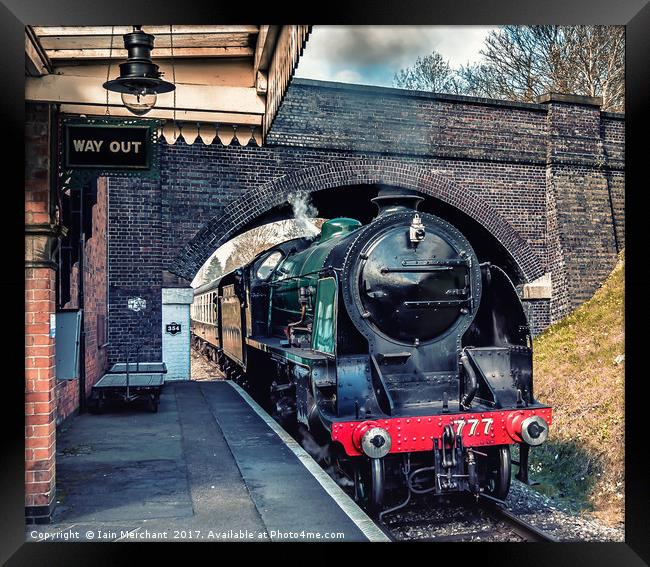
x: 373, y: 54
x: 347, y: 76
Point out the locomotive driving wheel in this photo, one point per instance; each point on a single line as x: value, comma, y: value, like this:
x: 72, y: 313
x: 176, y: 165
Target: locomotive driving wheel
x: 369, y: 484
x: 497, y: 471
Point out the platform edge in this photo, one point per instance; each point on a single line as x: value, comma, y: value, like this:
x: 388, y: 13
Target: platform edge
x: 358, y: 517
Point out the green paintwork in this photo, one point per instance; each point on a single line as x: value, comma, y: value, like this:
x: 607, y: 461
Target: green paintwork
x: 338, y: 227
x: 301, y: 270
x: 324, y: 329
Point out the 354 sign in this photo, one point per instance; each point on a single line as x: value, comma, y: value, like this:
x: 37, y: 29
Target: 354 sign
x: 107, y: 146
x: 173, y: 328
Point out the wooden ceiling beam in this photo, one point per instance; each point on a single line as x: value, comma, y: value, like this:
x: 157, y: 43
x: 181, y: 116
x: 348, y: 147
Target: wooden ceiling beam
x: 266, y: 41
x: 181, y: 40
x: 179, y: 52
x: 43, y: 31
x: 36, y: 60
x: 245, y: 120
x: 69, y: 89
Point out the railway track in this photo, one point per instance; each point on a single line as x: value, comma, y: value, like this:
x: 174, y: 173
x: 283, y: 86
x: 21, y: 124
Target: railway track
x: 521, y: 527
x: 476, y: 521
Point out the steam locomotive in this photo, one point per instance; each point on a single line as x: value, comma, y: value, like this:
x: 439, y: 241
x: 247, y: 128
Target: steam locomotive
x: 389, y: 345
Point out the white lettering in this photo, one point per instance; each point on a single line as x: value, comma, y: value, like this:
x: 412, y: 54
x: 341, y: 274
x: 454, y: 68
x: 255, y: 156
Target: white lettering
x: 136, y: 146
x: 114, y: 147
x: 488, y: 423
x: 78, y: 145
x: 98, y: 144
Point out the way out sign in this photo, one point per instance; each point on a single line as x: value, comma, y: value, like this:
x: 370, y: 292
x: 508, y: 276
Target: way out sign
x: 107, y: 146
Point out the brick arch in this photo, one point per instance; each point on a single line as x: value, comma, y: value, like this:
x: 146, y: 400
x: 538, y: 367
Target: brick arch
x: 241, y: 212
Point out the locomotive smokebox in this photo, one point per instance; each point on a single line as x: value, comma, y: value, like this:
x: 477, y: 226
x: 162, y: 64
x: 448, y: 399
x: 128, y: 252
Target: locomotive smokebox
x: 392, y: 200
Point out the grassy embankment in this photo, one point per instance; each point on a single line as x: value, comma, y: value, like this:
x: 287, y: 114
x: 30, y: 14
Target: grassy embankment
x: 579, y: 370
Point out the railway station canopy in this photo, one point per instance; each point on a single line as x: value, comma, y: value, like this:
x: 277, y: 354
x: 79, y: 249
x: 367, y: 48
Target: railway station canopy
x: 230, y: 79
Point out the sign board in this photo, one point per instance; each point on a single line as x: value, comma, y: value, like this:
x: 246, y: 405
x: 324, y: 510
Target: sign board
x: 173, y: 328
x: 107, y: 146
x: 137, y: 304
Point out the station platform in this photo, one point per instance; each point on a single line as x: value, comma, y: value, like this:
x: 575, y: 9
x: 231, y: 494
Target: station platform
x: 211, y: 465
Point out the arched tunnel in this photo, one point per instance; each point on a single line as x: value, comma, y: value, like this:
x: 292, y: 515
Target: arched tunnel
x: 337, y: 189
x: 356, y: 203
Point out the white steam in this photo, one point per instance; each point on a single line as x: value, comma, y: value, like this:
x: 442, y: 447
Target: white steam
x: 304, y: 212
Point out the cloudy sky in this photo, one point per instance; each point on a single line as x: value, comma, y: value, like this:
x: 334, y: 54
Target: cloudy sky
x: 371, y: 55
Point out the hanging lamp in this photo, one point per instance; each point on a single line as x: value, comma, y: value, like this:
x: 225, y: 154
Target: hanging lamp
x: 140, y: 80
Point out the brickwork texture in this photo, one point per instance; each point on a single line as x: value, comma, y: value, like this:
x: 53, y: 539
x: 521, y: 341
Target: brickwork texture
x: 545, y: 180
x: 40, y: 298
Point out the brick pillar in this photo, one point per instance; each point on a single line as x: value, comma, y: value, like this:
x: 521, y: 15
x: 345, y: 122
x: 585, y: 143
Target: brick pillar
x: 580, y: 237
x: 40, y: 403
x: 40, y: 305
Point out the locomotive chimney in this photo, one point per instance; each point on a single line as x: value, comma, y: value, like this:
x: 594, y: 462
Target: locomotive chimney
x: 392, y: 200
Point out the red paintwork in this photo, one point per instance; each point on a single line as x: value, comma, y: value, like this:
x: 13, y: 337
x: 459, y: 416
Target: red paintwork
x: 411, y: 434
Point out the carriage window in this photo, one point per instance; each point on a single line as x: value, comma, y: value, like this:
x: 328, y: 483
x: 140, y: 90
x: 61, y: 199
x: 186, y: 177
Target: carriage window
x: 269, y: 264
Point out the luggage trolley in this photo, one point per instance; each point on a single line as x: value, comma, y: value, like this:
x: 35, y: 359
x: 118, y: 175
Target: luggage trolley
x: 131, y: 380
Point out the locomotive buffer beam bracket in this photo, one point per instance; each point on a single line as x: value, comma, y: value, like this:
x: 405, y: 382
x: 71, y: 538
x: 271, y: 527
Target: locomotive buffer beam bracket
x: 448, y: 463
x: 522, y: 473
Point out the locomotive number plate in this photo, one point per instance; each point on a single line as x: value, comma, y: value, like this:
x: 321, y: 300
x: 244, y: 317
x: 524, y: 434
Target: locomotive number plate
x: 473, y: 426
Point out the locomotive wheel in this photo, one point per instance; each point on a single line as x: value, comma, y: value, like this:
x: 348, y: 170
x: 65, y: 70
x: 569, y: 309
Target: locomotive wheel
x: 369, y: 484
x: 498, y: 472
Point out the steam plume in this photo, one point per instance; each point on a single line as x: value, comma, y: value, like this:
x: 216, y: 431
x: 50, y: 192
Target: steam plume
x: 303, y: 212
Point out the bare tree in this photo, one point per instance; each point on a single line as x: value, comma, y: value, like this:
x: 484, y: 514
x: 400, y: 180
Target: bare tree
x: 596, y: 63
x: 430, y: 73
x: 523, y: 62
x: 248, y: 245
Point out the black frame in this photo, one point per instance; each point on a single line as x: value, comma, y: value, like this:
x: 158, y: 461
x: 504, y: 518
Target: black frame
x: 635, y: 14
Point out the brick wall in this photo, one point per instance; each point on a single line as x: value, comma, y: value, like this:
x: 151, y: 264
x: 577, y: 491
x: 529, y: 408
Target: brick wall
x: 96, y: 288
x: 39, y: 388
x: 136, y: 248
x: 95, y: 305
x: 613, y: 137
x: 586, y: 185
x: 40, y: 406
x: 526, y: 171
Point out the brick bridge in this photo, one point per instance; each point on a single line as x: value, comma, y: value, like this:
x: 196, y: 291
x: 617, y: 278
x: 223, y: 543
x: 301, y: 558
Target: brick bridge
x: 538, y: 188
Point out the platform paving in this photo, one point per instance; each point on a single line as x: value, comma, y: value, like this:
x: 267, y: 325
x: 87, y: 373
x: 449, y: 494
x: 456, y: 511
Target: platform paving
x: 205, y: 467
